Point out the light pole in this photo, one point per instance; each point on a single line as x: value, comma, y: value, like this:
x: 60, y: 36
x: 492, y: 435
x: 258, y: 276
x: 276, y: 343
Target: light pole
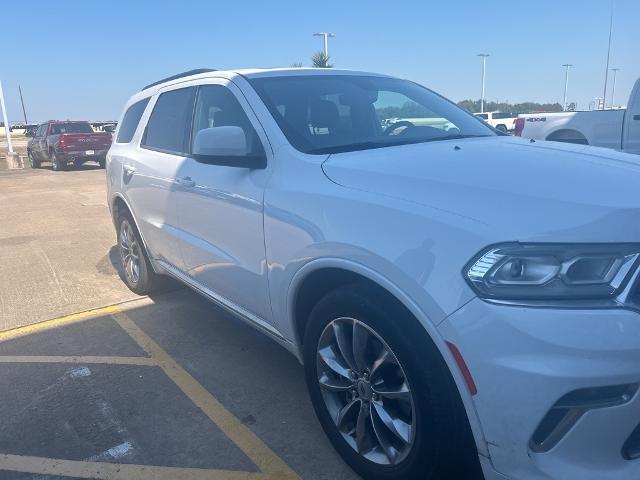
x: 484, y: 68
x: 326, y: 36
x: 7, y: 131
x: 606, y: 73
x: 613, y: 87
x: 567, y: 66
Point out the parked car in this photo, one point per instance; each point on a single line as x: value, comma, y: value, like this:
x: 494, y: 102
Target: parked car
x: 503, y: 121
x: 618, y: 129
x: 66, y: 143
x: 464, y: 303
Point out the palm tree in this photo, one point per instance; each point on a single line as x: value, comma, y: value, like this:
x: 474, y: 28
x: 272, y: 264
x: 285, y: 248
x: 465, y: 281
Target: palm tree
x: 320, y: 60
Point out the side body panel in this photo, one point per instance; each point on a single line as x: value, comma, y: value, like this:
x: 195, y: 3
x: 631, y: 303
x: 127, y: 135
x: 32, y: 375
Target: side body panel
x: 631, y: 135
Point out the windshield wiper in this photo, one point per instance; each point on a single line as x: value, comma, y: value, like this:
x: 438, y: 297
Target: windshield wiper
x: 351, y: 147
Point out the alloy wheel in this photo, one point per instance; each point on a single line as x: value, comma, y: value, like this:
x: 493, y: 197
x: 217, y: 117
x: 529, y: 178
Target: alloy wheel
x: 130, y: 253
x: 366, y: 391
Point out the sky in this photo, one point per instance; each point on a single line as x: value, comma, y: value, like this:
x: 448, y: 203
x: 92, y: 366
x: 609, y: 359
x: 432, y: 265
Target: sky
x: 83, y: 59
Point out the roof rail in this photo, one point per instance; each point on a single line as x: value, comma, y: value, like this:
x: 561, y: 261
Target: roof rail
x: 180, y: 75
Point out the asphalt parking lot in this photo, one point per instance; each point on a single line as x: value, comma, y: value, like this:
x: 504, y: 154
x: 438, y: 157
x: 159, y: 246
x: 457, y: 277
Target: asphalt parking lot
x: 96, y: 382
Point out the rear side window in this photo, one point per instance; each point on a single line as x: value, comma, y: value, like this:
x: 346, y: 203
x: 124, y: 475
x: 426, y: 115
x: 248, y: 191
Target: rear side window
x: 130, y: 121
x: 169, y: 125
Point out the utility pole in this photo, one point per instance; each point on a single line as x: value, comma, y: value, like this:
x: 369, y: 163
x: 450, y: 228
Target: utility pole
x: 613, y: 87
x: 606, y: 73
x: 567, y: 66
x: 24, y: 112
x: 326, y: 36
x: 7, y: 131
x: 484, y: 68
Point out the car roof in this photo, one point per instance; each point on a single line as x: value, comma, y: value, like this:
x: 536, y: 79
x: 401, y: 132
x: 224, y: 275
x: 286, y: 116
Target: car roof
x: 249, y: 73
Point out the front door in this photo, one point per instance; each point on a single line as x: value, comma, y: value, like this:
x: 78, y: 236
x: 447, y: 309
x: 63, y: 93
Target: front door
x: 220, y: 209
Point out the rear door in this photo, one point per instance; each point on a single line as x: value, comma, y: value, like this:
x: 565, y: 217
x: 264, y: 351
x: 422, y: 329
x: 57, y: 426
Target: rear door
x: 39, y: 141
x: 631, y: 135
x: 149, y: 171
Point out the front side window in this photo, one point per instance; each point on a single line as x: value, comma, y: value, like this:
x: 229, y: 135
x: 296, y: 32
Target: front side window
x: 130, y: 121
x: 322, y: 114
x: 218, y: 107
x: 170, y: 121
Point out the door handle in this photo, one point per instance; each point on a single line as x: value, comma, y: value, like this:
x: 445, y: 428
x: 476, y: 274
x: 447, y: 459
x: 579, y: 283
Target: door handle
x: 186, y: 182
x: 128, y: 169
x: 636, y: 117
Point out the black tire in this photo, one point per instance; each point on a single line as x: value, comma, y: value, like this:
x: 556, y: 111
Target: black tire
x: 102, y: 162
x: 147, y: 280
x: 502, y: 128
x: 32, y: 160
x: 56, y: 164
x: 443, y: 446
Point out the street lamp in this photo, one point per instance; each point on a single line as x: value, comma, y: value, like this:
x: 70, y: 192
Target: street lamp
x: 567, y: 66
x: 484, y: 67
x: 326, y: 36
x: 613, y: 87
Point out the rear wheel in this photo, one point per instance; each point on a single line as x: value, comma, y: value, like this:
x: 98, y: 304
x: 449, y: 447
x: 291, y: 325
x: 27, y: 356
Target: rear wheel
x: 382, y: 392
x: 138, y: 273
x: 102, y: 162
x: 502, y: 128
x: 56, y: 164
x: 32, y: 161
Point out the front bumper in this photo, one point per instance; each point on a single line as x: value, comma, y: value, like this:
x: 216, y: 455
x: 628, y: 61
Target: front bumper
x: 523, y: 360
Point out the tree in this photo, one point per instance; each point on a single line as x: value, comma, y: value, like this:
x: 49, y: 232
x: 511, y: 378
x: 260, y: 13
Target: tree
x: 320, y: 60
x: 473, y: 106
x: 296, y: 65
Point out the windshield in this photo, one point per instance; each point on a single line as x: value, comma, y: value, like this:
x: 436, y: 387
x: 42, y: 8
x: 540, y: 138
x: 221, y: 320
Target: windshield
x: 58, y: 128
x: 322, y: 114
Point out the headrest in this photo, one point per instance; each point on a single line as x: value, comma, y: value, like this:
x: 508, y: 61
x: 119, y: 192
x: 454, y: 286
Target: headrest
x: 323, y: 114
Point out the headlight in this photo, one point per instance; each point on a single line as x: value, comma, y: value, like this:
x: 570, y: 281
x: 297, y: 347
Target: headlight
x: 552, y: 271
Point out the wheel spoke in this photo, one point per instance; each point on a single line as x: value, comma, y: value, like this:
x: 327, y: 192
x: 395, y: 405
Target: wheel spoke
x: 378, y: 426
x: 360, y: 338
x: 401, y: 393
x: 364, y: 417
x: 342, y: 334
x: 383, y: 358
x: 344, y: 411
x: 334, y: 385
x: 333, y: 361
x: 398, y: 427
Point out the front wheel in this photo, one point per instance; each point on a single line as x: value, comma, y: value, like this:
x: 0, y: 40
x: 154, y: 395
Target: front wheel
x: 32, y: 161
x: 382, y: 391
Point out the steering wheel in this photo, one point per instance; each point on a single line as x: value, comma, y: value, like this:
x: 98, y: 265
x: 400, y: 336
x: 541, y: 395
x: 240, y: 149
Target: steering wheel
x: 394, y: 126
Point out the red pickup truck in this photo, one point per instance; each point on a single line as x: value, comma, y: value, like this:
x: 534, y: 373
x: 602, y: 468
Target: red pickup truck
x: 66, y: 143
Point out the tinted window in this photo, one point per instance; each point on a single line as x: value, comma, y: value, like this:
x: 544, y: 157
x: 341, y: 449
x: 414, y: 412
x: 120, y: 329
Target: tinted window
x: 58, y: 128
x: 336, y: 113
x: 41, y: 130
x: 169, y: 123
x: 218, y: 107
x: 484, y: 116
x: 130, y: 121
x: 500, y: 115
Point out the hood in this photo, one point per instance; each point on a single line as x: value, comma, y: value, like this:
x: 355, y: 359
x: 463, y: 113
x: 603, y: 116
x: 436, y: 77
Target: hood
x: 527, y: 191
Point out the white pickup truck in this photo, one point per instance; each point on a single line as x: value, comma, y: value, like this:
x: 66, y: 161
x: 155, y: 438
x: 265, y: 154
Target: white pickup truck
x: 503, y: 121
x: 618, y: 129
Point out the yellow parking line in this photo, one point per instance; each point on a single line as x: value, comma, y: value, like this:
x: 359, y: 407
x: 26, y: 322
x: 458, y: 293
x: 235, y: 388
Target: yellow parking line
x: 56, y: 322
x: 259, y: 453
x: 110, y: 360
x: 118, y: 471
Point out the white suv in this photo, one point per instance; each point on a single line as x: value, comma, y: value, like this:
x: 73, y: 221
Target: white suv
x: 463, y: 302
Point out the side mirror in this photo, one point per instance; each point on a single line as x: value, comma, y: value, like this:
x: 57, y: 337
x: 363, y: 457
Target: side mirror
x: 225, y: 146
